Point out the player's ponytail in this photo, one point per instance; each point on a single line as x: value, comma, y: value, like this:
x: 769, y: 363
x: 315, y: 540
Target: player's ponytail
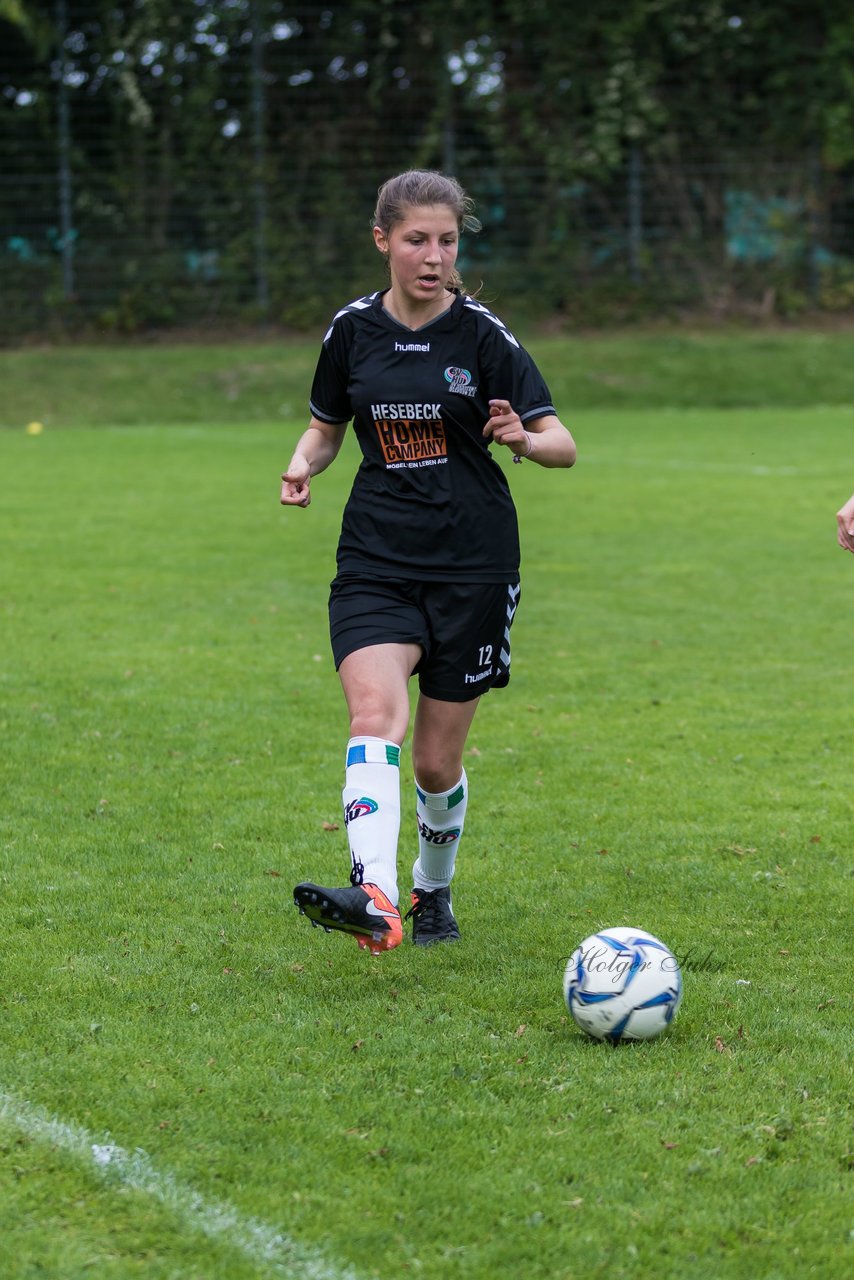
x: 419, y: 187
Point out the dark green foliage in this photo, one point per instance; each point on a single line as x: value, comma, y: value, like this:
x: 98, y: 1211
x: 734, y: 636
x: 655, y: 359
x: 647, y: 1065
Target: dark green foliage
x: 225, y: 157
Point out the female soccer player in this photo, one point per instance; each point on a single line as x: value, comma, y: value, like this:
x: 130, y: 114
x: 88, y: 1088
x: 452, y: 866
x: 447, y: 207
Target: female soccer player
x: 428, y: 558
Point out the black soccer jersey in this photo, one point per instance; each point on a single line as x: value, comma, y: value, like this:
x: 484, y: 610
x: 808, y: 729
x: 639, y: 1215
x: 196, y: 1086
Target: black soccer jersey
x: 428, y: 501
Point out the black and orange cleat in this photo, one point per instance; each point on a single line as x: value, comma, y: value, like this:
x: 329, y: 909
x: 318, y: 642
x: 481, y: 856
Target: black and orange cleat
x: 362, y: 910
x: 432, y: 918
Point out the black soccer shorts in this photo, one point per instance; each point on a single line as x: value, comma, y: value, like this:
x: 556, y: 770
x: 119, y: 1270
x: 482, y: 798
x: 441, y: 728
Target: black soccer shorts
x: 463, y: 628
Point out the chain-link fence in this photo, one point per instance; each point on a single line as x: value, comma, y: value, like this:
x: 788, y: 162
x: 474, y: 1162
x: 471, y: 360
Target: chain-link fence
x: 224, y: 172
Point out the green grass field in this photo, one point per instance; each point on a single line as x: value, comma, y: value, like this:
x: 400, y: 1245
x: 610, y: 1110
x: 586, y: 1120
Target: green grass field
x: 195, y: 1085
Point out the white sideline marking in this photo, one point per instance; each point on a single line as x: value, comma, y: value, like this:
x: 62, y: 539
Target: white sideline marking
x: 259, y: 1242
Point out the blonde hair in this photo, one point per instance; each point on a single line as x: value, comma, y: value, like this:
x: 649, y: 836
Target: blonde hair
x: 417, y: 188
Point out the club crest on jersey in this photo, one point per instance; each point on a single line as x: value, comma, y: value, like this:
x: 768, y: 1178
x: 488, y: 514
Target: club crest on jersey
x: 459, y: 379
x: 359, y: 809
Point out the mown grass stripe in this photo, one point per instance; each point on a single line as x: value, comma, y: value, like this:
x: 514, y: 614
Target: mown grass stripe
x: 259, y: 1242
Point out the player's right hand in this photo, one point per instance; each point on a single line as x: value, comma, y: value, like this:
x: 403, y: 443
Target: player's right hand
x: 845, y: 525
x: 296, y: 483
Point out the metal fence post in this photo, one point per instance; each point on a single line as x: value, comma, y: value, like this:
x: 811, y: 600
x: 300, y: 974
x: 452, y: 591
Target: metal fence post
x: 448, y: 126
x: 635, y: 200
x: 814, y: 222
x: 259, y: 184
x: 66, y: 231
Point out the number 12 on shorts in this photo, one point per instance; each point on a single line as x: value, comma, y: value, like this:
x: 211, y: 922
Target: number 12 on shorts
x: 485, y: 655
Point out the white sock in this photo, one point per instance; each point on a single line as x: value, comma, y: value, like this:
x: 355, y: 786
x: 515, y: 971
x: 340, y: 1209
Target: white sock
x: 371, y: 799
x: 441, y: 817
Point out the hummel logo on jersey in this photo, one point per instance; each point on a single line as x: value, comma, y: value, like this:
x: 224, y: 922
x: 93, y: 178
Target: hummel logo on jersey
x: 412, y: 346
x: 460, y: 383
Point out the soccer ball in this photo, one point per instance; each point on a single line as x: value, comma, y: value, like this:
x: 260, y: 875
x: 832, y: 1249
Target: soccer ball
x: 622, y: 984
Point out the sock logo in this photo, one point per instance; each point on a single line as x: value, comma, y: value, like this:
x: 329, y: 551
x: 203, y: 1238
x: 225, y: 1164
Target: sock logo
x: 438, y: 837
x: 359, y: 809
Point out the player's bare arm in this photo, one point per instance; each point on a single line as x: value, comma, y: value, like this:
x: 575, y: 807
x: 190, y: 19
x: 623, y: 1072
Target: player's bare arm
x: 845, y: 525
x: 317, y: 448
x: 544, y: 440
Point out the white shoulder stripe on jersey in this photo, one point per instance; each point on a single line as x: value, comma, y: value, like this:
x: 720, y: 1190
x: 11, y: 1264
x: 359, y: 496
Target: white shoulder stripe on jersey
x: 484, y: 311
x: 360, y: 304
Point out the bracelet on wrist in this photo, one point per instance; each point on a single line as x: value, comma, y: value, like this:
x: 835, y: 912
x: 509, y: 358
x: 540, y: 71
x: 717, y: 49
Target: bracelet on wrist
x: 517, y: 457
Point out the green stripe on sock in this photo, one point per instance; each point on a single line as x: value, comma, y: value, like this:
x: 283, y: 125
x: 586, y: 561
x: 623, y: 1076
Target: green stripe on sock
x: 440, y: 801
x: 456, y: 796
x: 392, y: 754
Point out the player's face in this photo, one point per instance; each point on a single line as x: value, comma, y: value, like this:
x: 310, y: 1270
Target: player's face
x: 422, y: 251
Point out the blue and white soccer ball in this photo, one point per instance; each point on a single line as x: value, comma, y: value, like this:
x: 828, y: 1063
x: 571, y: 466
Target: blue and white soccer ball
x: 622, y: 984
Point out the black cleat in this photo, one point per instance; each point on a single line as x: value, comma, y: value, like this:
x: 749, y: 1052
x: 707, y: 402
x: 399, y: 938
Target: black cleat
x: 432, y: 917
x: 363, y: 910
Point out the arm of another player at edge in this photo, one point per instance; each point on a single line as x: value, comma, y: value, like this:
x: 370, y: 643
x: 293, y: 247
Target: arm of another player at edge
x: 845, y: 525
x: 552, y: 444
x: 317, y: 447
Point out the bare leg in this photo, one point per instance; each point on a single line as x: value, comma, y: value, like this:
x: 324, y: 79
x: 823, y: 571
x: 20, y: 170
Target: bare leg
x: 438, y: 740
x: 376, y: 685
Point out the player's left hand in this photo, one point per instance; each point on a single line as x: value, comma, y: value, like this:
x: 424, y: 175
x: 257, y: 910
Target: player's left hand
x: 505, y: 427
